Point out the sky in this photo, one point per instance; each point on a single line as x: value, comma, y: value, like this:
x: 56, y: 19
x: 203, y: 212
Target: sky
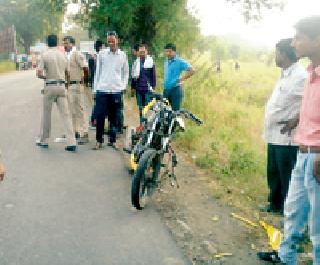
x: 220, y: 18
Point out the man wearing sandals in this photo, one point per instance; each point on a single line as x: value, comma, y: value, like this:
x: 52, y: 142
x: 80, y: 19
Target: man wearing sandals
x: 110, y: 81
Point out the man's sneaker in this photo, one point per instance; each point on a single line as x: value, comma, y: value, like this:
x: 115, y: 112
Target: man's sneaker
x: 269, y: 256
x: 71, y: 148
x: 84, y: 139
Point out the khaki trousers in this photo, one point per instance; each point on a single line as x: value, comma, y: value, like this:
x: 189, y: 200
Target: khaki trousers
x: 57, y: 94
x: 77, y: 108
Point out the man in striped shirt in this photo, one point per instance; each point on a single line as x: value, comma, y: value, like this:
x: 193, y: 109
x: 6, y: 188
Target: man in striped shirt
x: 281, y: 113
x: 303, y: 200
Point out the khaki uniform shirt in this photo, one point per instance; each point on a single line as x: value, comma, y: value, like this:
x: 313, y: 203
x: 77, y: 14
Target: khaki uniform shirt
x: 54, y: 63
x: 77, y: 62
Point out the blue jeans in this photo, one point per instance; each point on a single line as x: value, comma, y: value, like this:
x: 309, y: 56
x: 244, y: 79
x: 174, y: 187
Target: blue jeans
x: 175, y: 96
x: 303, y: 202
x: 143, y: 98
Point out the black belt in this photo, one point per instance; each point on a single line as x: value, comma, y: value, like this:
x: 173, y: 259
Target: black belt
x: 75, y: 82
x: 55, y: 82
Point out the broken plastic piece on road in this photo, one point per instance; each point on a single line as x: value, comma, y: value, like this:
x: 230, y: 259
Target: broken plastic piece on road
x: 247, y: 221
x: 221, y: 255
x: 274, y: 235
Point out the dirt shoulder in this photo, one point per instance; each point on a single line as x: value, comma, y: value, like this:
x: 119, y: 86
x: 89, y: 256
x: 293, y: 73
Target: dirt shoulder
x: 201, y: 224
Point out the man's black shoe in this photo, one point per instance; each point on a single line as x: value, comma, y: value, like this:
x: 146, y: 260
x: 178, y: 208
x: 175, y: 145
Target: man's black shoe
x: 71, y: 148
x: 269, y: 256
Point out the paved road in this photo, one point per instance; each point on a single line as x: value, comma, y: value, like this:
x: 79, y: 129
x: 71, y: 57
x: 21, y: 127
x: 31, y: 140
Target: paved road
x: 59, y: 208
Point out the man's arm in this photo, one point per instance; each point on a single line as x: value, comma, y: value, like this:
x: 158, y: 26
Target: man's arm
x: 97, y: 73
x: 189, y: 72
x: 40, y: 70
x: 154, y: 77
x: 81, y: 60
x: 125, y: 69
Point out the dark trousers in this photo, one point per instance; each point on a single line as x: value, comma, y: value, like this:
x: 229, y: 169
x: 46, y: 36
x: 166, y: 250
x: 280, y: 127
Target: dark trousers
x: 93, y: 113
x: 143, y: 98
x: 120, y: 115
x: 280, y: 163
x: 107, y: 105
x: 175, y: 96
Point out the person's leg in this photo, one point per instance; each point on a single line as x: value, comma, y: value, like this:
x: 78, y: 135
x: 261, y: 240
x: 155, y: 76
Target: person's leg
x: 120, y: 116
x: 286, y: 157
x: 313, y: 188
x: 296, y: 210
x: 176, y: 96
x: 72, y: 99
x: 84, y: 128
x: 167, y: 95
x: 62, y: 105
x: 93, y: 114
x: 139, y: 103
x: 46, y: 116
x: 273, y: 178
x: 113, y: 110
x: 101, y: 110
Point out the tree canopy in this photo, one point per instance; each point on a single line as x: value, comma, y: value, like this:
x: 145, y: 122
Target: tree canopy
x: 33, y: 19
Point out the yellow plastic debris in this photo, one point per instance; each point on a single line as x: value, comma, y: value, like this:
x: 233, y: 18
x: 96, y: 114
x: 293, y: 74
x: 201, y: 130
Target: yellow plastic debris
x: 247, y: 221
x: 215, y: 218
x: 274, y: 235
x: 133, y: 164
x: 221, y: 255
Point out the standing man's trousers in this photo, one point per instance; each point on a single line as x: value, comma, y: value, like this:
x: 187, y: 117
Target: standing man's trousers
x: 175, y: 96
x: 57, y: 94
x: 77, y: 108
x: 109, y: 105
x: 280, y: 163
x: 302, y: 205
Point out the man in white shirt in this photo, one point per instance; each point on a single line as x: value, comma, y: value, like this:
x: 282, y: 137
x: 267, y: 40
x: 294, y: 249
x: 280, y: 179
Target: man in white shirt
x: 111, y: 79
x: 281, y: 118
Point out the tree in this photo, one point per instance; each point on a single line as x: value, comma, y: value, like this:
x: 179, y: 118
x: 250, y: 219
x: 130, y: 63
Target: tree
x: 253, y: 9
x: 149, y: 21
x: 33, y: 19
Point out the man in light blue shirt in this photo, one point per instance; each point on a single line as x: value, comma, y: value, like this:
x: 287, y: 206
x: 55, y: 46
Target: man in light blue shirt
x: 173, y: 68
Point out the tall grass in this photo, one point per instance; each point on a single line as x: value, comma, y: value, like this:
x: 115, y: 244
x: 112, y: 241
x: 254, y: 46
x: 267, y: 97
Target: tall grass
x: 7, y: 66
x: 229, y: 144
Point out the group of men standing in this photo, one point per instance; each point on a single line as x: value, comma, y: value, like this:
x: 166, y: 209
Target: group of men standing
x: 64, y: 76
x: 292, y: 132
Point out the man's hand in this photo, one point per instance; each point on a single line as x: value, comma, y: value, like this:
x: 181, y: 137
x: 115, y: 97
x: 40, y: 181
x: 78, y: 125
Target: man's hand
x: 2, y: 171
x: 289, y: 125
x: 316, y: 168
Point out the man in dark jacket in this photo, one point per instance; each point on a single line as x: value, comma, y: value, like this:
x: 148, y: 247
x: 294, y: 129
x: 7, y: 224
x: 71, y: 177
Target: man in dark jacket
x: 143, y: 77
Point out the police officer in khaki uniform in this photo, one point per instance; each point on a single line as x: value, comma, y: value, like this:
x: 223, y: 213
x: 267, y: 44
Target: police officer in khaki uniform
x: 53, y: 68
x: 78, y: 73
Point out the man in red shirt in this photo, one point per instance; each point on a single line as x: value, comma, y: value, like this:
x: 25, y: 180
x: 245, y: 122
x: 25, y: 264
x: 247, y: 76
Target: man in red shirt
x: 303, y: 200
